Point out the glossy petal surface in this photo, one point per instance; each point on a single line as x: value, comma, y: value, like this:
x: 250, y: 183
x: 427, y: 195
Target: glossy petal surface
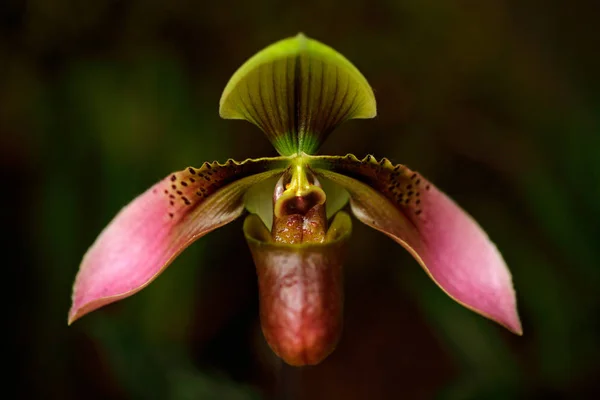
x: 301, y: 290
x: 451, y: 247
x: 297, y: 91
x: 155, y: 227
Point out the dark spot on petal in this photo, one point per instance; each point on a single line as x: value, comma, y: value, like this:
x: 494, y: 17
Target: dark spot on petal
x: 418, y: 194
x: 192, y: 180
x: 418, y: 212
x: 183, y: 183
x: 418, y: 181
x: 410, y: 193
x: 179, y: 192
x: 418, y: 201
x: 192, y: 171
x: 173, y: 178
x: 153, y: 190
x: 198, y: 194
x: 166, y: 191
x: 186, y: 201
x: 171, y: 215
x: 172, y: 196
x: 174, y: 187
x: 409, y: 187
x: 406, y: 201
x: 427, y: 187
x: 413, y: 176
x: 172, y: 202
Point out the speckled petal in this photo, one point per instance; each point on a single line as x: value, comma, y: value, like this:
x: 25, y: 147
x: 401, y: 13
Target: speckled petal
x: 451, y: 247
x: 143, y: 239
x: 297, y: 91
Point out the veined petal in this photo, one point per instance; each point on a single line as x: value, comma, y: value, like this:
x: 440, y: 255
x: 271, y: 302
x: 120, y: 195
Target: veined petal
x: 297, y: 91
x: 301, y: 290
x: 443, y: 238
x: 143, y: 239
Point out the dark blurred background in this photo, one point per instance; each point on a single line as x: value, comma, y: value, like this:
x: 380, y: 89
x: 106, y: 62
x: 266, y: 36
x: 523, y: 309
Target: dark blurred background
x: 497, y: 102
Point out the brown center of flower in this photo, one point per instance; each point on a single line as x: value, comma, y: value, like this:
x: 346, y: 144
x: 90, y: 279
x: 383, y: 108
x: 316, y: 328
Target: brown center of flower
x: 299, y: 208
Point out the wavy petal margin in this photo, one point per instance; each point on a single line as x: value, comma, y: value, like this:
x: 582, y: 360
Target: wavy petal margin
x: 452, y: 248
x: 297, y: 91
x: 143, y: 239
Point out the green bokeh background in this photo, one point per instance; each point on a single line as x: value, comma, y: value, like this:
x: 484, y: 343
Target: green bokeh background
x: 497, y: 102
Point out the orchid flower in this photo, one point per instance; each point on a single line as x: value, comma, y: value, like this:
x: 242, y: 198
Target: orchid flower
x: 297, y: 91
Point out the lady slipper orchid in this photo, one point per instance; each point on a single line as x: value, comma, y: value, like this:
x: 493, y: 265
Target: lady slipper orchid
x: 297, y: 91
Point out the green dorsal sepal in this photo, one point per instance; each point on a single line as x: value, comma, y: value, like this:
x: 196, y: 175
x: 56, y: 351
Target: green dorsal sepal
x: 297, y: 91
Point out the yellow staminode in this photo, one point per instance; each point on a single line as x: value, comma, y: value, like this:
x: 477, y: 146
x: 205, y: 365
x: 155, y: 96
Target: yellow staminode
x: 299, y: 187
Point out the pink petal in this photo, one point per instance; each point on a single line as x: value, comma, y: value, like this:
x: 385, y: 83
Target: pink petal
x: 452, y: 248
x: 143, y: 239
